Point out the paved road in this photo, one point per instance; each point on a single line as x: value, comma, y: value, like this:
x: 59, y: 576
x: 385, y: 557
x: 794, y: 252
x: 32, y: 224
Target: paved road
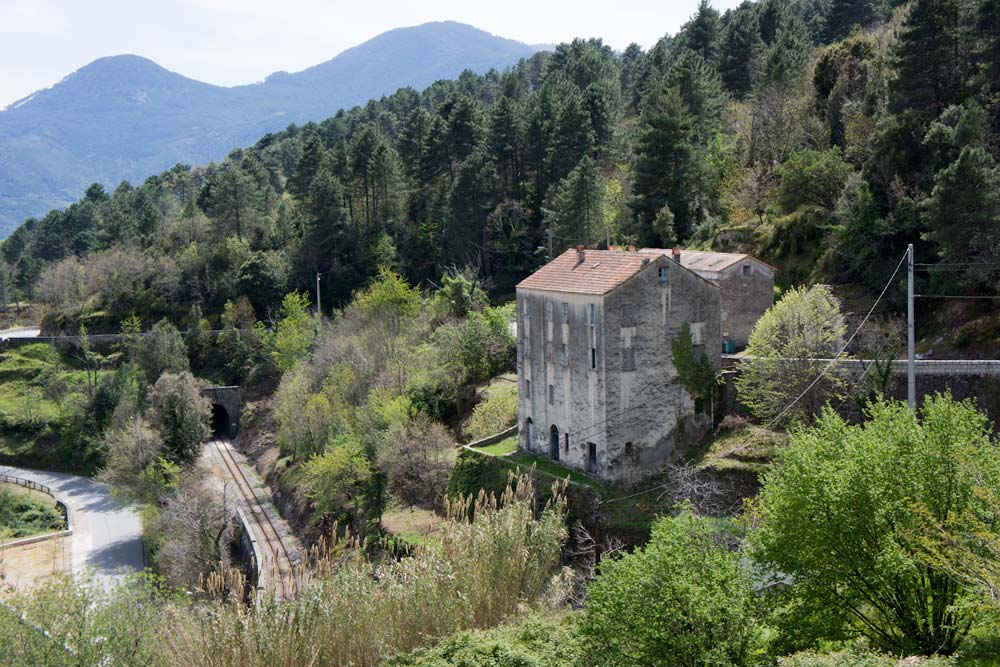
x: 20, y: 332
x: 106, y: 535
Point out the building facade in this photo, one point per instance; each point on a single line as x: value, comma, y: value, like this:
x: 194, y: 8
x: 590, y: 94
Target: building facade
x: 598, y: 390
x: 747, y: 286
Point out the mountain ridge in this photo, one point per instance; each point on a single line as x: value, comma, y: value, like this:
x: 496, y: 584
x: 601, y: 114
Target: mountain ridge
x: 125, y: 117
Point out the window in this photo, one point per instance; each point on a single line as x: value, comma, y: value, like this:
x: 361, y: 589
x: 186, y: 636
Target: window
x: 628, y: 315
x: 591, y: 456
x: 664, y: 275
x: 565, y: 312
x: 592, y: 315
x: 526, y: 308
x: 698, y: 311
x: 527, y: 389
x: 566, y: 442
x: 747, y: 270
x: 628, y: 450
x: 565, y: 354
x: 593, y: 358
x: 548, y: 311
x: 552, y: 394
x: 628, y: 359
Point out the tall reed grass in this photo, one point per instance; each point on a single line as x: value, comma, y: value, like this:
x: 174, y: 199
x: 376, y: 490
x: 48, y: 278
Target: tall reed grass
x: 495, y: 556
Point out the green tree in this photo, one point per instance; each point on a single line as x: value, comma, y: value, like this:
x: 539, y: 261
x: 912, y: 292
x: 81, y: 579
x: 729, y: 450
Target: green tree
x: 812, y: 178
x: 963, y: 212
x: 337, y: 479
x: 236, y: 201
x: 701, y: 34
x: 682, y: 596
x: 788, y: 349
x: 664, y: 164
x: 841, y: 512
x: 844, y: 15
x: 575, y: 212
x: 742, y: 51
x: 181, y: 414
x: 160, y: 350
x: 294, y: 332
x: 931, y: 66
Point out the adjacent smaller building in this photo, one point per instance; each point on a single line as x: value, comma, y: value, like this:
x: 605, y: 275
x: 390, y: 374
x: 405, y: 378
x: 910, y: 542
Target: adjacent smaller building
x: 598, y: 390
x: 746, y: 282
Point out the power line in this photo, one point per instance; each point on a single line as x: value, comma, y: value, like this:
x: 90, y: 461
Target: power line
x: 952, y: 296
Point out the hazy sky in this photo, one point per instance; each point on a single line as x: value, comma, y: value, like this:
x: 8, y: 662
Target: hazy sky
x: 231, y: 42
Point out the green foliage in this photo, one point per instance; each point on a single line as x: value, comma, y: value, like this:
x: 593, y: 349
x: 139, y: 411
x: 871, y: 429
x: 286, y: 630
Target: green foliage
x: 696, y: 373
x: 473, y: 473
x: 854, y: 657
x: 295, y: 331
x: 181, y: 414
x: 841, y: 514
x: 336, y: 480
x: 160, y: 350
x: 681, y: 595
x: 812, y: 178
x: 22, y: 515
x: 496, y: 413
x: 537, y: 641
x: 788, y: 349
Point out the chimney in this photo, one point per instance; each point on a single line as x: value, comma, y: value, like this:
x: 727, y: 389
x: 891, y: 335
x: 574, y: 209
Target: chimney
x: 676, y: 255
x: 581, y: 254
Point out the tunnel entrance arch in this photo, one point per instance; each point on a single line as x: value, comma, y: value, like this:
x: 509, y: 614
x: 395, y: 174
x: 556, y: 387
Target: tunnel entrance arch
x: 221, y: 423
x: 227, y: 407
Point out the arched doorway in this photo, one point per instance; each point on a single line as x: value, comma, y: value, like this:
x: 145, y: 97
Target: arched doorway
x: 554, y: 443
x: 220, y: 422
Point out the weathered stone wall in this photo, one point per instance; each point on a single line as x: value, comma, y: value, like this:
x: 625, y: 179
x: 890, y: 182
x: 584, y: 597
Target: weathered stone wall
x: 744, y: 299
x: 637, y: 420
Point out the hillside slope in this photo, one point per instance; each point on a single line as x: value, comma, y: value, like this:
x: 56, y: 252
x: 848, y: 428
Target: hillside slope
x: 125, y: 117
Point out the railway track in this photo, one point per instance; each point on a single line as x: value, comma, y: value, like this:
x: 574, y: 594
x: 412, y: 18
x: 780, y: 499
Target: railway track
x: 279, y: 567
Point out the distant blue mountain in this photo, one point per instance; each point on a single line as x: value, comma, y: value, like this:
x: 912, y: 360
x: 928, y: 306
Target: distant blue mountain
x: 125, y: 117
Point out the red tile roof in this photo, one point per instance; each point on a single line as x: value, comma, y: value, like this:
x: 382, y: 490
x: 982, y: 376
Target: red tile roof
x: 600, y: 272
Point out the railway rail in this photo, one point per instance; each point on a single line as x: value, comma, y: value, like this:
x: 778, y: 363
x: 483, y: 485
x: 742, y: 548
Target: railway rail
x: 280, y: 566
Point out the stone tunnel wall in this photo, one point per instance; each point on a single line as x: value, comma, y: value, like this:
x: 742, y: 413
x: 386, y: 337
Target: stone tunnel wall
x: 231, y: 399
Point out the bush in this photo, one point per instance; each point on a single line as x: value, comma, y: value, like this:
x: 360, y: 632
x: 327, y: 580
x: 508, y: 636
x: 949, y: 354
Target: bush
x: 681, y: 596
x: 23, y: 515
x: 856, y: 657
x: 181, y: 414
x: 496, y: 413
x: 842, y: 514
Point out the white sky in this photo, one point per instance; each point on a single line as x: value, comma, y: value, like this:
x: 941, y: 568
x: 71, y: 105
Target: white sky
x: 231, y: 42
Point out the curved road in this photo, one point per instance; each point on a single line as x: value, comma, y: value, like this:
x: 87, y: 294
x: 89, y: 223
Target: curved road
x: 107, y: 536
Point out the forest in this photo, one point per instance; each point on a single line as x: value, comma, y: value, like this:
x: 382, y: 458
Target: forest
x: 355, y: 276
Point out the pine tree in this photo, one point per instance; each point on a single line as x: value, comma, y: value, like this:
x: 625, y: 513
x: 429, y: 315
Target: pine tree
x: 701, y: 34
x: 574, y: 210
x: 701, y: 89
x: 929, y: 62
x: 844, y: 15
x: 963, y: 212
x: 664, y: 165
x: 741, y: 51
x: 306, y: 166
x: 506, y: 142
x: 573, y: 135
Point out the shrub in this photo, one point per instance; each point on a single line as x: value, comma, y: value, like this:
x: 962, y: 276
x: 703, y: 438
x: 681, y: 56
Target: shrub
x: 842, y: 511
x: 856, y: 657
x: 479, y: 574
x: 496, y: 413
x: 181, y: 414
x: 681, y: 596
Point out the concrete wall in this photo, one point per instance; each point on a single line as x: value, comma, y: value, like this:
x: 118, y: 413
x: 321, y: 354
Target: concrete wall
x: 637, y: 420
x: 744, y: 299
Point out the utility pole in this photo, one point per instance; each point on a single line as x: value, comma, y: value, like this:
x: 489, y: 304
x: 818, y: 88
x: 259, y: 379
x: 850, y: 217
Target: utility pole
x: 911, y: 382
x: 319, y: 310
x: 550, y: 245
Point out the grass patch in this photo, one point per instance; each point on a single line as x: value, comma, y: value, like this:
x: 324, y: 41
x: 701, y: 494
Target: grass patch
x: 744, y: 447
x: 22, y: 515
x: 414, y: 525
x: 526, y: 460
x: 502, y: 448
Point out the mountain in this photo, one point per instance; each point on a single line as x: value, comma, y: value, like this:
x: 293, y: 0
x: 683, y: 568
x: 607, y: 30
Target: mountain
x: 125, y: 117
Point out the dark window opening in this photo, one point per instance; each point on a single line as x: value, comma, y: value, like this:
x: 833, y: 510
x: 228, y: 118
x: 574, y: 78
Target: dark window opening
x: 664, y: 275
x: 552, y: 394
x: 747, y: 270
x: 566, y: 443
x: 628, y: 450
x: 591, y: 456
x: 554, y: 443
x: 593, y: 358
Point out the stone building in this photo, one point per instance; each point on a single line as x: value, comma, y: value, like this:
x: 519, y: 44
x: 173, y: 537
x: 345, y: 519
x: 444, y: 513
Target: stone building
x: 747, y: 287
x: 598, y: 390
